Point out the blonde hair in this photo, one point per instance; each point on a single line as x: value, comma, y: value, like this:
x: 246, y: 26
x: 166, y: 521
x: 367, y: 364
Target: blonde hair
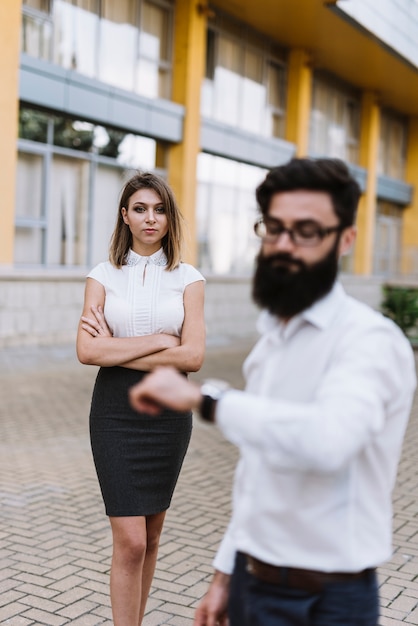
x: 171, y: 243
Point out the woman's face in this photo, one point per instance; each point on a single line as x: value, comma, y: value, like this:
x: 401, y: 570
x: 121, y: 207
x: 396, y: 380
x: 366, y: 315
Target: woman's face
x: 147, y: 220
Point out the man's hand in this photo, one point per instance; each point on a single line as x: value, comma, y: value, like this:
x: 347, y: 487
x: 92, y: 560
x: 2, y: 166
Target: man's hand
x: 212, y: 610
x: 165, y: 387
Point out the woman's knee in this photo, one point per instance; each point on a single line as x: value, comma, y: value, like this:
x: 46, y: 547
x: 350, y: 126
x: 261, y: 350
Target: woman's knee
x: 129, y: 541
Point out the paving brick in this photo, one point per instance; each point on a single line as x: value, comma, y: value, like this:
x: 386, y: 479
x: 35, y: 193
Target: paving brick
x: 55, y: 540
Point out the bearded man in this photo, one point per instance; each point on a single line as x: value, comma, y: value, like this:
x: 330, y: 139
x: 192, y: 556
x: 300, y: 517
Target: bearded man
x: 320, y: 425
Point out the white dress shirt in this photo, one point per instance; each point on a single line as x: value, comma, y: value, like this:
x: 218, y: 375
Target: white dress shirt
x: 320, y: 429
x: 142, y: 297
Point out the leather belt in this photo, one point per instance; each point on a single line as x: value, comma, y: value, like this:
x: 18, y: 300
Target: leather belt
x: 303, y: 579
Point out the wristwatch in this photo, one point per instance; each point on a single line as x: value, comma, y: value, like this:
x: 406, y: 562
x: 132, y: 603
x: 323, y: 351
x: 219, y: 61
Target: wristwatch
x: 211, y: 389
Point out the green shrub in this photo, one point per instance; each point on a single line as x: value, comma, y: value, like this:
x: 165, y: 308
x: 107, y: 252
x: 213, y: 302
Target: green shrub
x: 400, y: 303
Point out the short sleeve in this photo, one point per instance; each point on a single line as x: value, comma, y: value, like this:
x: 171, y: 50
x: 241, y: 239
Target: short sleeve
x: 98, y: 273
x: 191, y: 274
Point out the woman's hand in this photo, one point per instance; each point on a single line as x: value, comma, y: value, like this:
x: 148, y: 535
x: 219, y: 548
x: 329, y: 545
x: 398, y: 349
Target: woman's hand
x: 97, y: 325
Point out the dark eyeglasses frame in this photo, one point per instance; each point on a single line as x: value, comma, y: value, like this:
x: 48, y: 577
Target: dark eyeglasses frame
x: 320, y: 234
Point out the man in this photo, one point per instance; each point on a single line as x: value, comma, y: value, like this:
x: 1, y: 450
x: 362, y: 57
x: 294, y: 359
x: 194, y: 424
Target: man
x: 319, y: 427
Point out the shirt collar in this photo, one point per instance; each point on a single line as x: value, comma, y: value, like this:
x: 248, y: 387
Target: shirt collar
x: 158, y: 258
x: 320, y: 314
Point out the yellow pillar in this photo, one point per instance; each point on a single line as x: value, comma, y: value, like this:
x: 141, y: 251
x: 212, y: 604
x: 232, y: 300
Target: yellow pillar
x: 410, y: 217
x: 10, y: 16
x: 299, y: 96
x: 369, y: 146
x: 188, y: 74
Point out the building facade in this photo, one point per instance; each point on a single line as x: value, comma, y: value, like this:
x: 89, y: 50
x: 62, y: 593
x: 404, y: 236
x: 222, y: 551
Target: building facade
x: 210, y: 96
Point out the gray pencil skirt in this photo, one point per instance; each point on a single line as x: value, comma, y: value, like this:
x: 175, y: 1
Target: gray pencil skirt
x: 138, y: 457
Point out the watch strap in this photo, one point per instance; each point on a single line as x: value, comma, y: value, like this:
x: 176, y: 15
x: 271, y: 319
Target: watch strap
x: 207, y: 408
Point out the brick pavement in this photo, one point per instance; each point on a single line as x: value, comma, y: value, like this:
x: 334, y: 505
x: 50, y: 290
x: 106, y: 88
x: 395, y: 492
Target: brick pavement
x: 54, y: 537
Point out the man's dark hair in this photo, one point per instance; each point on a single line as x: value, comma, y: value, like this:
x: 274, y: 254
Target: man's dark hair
x: 329, y: 175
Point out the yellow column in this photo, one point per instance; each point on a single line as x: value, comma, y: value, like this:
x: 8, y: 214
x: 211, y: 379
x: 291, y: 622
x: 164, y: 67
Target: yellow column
x: 410, y: 217
x: 299, y: 96
x: 369, y: 146
x: 188, y: 74
x: 10, y: 16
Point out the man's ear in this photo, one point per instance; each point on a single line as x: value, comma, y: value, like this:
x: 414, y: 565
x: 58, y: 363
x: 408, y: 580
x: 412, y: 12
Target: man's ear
x: 347, y: 239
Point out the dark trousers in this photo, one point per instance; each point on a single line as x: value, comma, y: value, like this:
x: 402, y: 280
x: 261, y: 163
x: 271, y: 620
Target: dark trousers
x: 256, y: 603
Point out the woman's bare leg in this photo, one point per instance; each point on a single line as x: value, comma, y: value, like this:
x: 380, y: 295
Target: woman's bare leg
x: 154, y: 525
x: 129, y: 549
x: 135, y: 550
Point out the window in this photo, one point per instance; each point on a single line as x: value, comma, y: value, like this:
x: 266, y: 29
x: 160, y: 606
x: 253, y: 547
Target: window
x: 154, y: 52
x: 118, y: 43
x: 36, y: 35
x: 276, y: 97
x: 388, y: 239
x: 39, y: 5
x: 70, y: 173
x: 125, y: 43
x: 76, y: 35
x: 392, y: 145
x: 244, y: 83
x: 335, y: 121
x: 30, y: 208
x: 226, y: 212
x: 33, y: 125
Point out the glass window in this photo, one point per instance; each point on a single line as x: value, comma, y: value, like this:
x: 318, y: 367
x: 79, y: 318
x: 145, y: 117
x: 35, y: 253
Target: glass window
x: 28, y: 246
x: 227, y: 82
x: 388, y: 239
x: 244, y: 84
x: 335, y: 121
x: 154, y: 40
x: 118, y: 43
x: 36, y: 32
x: 226, y: 211
x: 137, y: 152
x: 67, y: 215
x: 29, y: 204
x: 154, y: 52
x: 108, y: 182
x: 68, y: 187
x: 392, y: 145
x: 30, y: 228
x: 76, y: 35
x: 73, y: 134
x: 39, y: 5
x: 33, y: 125
x: 276, y: 99
x: 253, y: 92
x: 125, y: 43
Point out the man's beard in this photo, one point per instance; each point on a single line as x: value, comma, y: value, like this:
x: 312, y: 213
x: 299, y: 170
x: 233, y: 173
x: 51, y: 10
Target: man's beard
x: 286, y: 286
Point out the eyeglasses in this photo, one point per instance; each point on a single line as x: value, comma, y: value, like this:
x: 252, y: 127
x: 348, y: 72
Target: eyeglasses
x: 304, y: 233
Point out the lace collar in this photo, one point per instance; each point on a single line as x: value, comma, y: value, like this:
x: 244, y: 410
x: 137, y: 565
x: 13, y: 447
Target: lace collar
x: 158, y: 258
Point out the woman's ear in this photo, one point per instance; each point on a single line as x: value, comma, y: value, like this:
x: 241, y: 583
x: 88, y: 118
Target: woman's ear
x: 124, y: 213
x: 347, y: 239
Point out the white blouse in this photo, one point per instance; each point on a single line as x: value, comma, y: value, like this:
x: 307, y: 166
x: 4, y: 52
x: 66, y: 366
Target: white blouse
x: 142, y: 297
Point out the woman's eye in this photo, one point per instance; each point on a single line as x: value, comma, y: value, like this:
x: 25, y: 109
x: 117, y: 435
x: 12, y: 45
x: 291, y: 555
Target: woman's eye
x: 160, y: 209
x: 140, y: 209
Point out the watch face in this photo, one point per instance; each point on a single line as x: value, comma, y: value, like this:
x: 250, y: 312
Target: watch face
x: 214, y: 388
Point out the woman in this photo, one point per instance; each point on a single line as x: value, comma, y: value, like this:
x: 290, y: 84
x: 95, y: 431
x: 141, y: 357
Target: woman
x: 142, y: 308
